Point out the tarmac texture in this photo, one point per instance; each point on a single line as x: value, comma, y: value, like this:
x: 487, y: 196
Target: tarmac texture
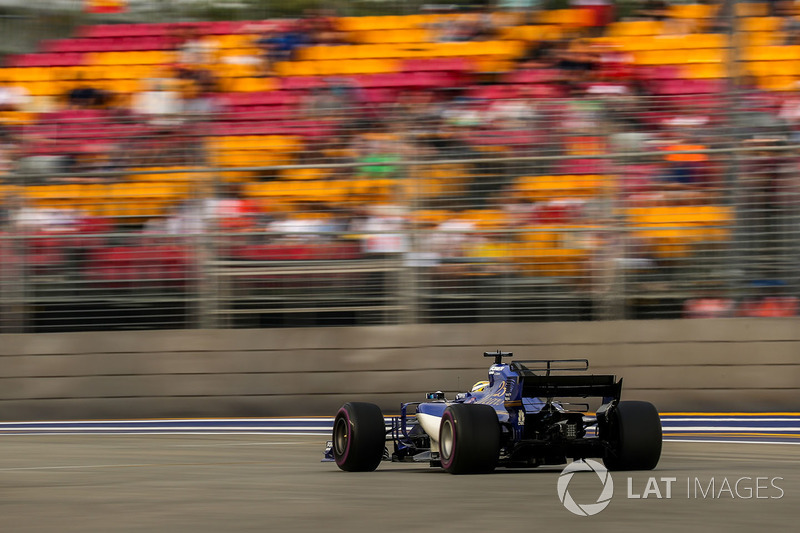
x: 229, y: 483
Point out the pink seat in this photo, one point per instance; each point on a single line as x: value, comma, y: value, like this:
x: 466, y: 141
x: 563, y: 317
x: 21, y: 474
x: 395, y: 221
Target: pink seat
x: 380, y: 95
x: 658, y: 72
x: 261, y: 113
x: 278, y: 98
x: 532, y: 76
x: 302, y: 83
x: 434, y: 80
x: 381, y: 80
x: 582, y: 166
x: 446, y: 64
x: 492, y: 92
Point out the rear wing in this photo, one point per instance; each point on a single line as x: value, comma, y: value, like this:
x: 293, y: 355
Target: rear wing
x: 536, y: 385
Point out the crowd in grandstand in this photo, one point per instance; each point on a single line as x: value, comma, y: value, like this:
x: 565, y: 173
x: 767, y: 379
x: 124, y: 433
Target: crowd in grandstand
x: 519, y: 138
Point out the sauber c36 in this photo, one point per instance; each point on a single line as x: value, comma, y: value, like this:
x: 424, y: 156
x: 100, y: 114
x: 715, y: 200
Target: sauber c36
x: 518, y: 418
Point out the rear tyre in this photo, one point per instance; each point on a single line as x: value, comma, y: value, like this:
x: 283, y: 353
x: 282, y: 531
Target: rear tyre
x: 359, y: 437
x: 469, y: 439
x: 634, y: 436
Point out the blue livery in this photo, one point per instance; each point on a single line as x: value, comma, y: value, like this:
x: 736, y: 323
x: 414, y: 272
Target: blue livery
x: 523, y: 415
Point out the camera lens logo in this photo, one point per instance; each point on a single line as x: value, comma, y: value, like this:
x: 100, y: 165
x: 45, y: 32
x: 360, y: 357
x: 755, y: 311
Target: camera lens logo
x: 587, y: 509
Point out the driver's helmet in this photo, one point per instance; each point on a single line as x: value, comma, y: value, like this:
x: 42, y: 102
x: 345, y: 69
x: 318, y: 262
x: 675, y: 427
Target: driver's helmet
x: 480, y: 386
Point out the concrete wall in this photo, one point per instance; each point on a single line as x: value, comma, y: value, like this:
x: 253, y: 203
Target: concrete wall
x: 698, y: 365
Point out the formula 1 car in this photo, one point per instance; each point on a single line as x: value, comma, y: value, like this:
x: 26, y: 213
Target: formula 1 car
x: 517, y: 418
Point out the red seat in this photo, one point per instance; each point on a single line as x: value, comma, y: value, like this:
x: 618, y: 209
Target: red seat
x: 45, y: 253
x: 337, y: 251
x: 273, y: 252
x: 157, y: 266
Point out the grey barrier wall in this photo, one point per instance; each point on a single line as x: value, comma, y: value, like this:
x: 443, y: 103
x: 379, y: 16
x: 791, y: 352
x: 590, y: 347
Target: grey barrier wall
x: 680, y: 365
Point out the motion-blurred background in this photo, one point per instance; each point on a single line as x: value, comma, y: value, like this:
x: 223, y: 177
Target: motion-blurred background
x: 240, y: 164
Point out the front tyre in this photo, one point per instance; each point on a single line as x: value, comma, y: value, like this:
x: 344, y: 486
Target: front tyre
x: 633, y: 433
x: 359, y: 437
x: 469, y: 439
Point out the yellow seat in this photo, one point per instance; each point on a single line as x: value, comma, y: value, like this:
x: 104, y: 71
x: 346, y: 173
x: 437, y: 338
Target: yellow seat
x: 42, y: 88
x: 635, y: 28
x: 250, y: 85
x: 305, y: 173
x: 296, y: 68
x: 763, y: 38
x: 771, y: 53
x: 692, y: 11
x: 705, y: 71
x: 17, y: 117
x: 751, y: 9
x: 531, y: 33
x: 778, y: 83
x: 705, y: 55
x: 760, y: 23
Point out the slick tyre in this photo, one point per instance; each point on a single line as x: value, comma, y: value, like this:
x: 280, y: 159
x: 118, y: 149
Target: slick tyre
x: 469, y: 439
x: 633, y: 433
x: 359, y: 437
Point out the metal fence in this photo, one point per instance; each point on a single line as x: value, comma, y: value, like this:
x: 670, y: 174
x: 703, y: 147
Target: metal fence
x: 341, y: 210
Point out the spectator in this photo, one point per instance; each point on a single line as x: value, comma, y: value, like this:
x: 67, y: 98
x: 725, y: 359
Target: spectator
x: 711, y: 305
x: 321, y: 28
x: 378, y: 155
x: 13, y: 97
x: 195, y: 51
x: 602, y: 11
x: 280, y: 45
x: 87, y: 96
x: 198, y: 91
x: 685, y: 171
x: 384, y: 229
x: 657, y: 10
x: 159, y: 103
x: 8, y: 152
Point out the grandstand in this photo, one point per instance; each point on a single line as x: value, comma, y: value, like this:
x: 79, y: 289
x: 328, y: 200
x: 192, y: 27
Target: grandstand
x: 432, y: 166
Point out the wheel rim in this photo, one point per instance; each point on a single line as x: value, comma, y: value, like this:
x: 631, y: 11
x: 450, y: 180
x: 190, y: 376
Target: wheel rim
x: 340, y: 436
x: 446, y: 439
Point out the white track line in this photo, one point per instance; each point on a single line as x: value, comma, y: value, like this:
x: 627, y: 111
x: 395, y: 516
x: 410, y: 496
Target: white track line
x: 708, y: 441
x: 21, y: 432
x: 238, y: 444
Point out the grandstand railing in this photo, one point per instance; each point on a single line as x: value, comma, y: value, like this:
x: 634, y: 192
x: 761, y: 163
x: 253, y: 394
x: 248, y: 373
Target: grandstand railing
x: 346, y: 218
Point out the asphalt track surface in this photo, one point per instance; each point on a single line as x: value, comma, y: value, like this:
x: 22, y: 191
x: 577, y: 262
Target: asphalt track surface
x: 219, y: 482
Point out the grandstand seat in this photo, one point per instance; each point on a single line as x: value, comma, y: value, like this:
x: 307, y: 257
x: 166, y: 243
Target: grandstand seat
x: 302, y: 83
x: 453, y: 64
x: 532, y: 76
x: 46, y: 60
x: 139, y: 267
x: 492, y: 92
x: 260, y: 98
x: 273, y: 252
x: 45, y: 253
x: 379, y: 95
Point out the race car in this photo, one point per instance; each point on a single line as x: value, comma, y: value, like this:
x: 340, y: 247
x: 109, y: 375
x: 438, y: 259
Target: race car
x: 518, y: 418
